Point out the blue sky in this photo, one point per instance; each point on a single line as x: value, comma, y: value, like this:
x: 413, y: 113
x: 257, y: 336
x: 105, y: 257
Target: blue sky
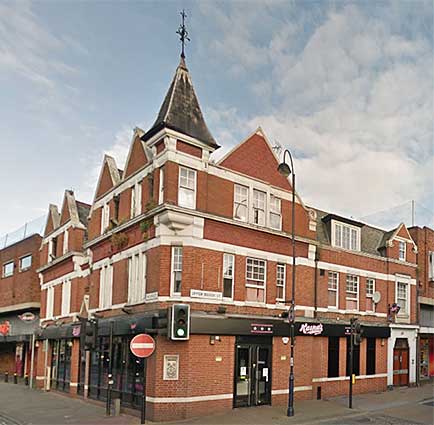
x: 347, y: 86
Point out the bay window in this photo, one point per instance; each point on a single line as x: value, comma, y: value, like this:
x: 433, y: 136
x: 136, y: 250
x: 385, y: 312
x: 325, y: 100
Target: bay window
x: 105, y: 286
x: 50, y: 303
x: 136, y: 200
x: 66, y: 297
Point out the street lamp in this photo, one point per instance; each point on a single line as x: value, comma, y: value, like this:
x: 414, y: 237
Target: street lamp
x: 285, y: 170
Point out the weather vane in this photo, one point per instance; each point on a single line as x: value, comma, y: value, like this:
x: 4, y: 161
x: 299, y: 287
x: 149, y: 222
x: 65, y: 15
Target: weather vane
x: 183, y: 33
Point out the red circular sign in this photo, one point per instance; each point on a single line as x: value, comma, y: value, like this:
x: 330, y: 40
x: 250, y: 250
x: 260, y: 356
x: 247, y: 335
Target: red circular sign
x: 142, y: 345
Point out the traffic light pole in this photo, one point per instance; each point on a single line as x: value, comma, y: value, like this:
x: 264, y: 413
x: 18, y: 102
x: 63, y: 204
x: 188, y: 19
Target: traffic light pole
x: 350, y: 399
x: 145, y: 364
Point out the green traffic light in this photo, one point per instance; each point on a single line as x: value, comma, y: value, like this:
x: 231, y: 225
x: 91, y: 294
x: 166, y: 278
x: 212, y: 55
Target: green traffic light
x: 180, y: 332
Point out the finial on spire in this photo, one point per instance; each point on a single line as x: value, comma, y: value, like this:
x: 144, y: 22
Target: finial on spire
x: 183, y: 33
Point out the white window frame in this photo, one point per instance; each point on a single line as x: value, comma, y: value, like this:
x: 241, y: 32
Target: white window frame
x: 275, y: 210
x: 65, y: 241
x: 137, y: 278
x: 185, y: 187
x: 136, y: 200
x: 338, y: 236
x: 49, y: 309
x: 352, y: 292
x: 264, y: 282
x: 106, y: 286
x: 370, y: 295
x: 229, y: 260
x: 335, y: 277
x: 161, y: 187
x: 279, y: 283
x: 66, y: 298
x: 256, y: 206
x: 105, y: 217
x: 402, y: 244
x: 175, y: 252
x: 403, y: 313
x: 431, y: 265
x: 240, y: 200
x: 4, y: 274
x: 21, y: 268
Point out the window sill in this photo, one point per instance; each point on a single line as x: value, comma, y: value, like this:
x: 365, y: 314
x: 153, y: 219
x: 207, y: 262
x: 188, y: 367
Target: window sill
x: 255, y: 304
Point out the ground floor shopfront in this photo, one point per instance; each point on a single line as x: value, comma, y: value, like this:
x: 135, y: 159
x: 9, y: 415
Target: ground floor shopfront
x: 16, y: 330
x: 226, y: 363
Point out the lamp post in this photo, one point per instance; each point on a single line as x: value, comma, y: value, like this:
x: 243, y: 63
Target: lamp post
x: 285, y: 170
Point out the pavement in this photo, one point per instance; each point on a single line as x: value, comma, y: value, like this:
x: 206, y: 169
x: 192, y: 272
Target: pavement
x: 20, y: 405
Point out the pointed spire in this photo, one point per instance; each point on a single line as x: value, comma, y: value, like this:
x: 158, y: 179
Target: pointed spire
x: 180, y: 110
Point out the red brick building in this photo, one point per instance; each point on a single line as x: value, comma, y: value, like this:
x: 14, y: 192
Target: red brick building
x: 424, y: 238
x: 175, y: 226
x: 19, y: 304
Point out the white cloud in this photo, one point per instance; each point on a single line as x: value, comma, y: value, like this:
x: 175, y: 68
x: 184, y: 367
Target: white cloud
x: 355, y: 105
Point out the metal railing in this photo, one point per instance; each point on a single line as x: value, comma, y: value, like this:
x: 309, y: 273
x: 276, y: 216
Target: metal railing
x: 28, y: 229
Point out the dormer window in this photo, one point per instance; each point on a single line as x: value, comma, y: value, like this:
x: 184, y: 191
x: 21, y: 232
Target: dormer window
x: 402, y: 250
x: 345, y: 236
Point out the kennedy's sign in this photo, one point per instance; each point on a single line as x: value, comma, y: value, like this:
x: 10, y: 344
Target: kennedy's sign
x: 311, y: 329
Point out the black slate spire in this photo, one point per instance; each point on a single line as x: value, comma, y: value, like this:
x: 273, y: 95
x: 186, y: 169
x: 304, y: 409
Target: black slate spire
x: 180, y: 110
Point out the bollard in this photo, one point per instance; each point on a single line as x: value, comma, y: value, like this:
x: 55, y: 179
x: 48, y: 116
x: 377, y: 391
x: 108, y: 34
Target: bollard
x: 26, y: 380
x: 15, y: 378
x: 6, y: 376
x: 117, y: 407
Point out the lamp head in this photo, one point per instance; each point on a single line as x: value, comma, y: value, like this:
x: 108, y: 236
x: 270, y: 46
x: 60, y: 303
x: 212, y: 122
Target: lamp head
x: 284, y: 169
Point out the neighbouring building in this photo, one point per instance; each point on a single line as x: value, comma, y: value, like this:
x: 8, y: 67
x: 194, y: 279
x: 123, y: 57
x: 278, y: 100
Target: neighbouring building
x: 424, y: 238
x: 19, y: 304
x: 175, y: 226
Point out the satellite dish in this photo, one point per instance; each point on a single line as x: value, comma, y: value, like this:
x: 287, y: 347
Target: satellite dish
x: 376, y: 297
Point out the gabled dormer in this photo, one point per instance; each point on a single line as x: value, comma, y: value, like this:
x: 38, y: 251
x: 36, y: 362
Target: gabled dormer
x: 180, y: 125
x: 109, y: 176
x: 398, y: 244
x: 245, y: 157
x: 139, y: 154
x: 64, y: 231
x: 53, y: 219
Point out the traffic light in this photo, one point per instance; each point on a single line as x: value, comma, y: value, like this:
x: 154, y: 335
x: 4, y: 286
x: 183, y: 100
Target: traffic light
x: 356, y: 331
x: 90, y: 334
x: 180, y: 322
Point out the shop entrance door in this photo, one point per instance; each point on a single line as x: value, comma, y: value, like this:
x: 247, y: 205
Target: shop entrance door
x: 252, y: 386
x: 400, y: 362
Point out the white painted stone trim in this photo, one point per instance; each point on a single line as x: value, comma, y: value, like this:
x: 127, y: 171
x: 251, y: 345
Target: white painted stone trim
x: 296, y: 389
x: 346, y: 378
x: 192, y: 399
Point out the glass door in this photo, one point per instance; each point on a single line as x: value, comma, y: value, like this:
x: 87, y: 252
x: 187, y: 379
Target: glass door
x: 252, y: 386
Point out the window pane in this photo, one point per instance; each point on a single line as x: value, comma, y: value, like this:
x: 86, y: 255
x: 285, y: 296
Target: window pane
x: 25, y: 262
x: 8, y: 269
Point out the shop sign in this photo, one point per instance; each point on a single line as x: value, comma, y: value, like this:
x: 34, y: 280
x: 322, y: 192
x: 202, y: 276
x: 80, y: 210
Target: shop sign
x: 261, y: 328
x: 195, y: 293
x: 27, y: 317
x: 311, y: 329
x: 5, y: 328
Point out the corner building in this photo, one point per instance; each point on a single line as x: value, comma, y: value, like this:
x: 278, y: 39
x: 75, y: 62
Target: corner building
x: 175, y: 226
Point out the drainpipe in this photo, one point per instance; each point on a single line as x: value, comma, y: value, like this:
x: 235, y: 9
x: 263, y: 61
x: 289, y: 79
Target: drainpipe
x: 315, y: 313
x: 32, y: 360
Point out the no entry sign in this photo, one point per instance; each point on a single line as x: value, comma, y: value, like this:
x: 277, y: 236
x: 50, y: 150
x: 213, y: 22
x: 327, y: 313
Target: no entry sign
x: 142, y: 345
